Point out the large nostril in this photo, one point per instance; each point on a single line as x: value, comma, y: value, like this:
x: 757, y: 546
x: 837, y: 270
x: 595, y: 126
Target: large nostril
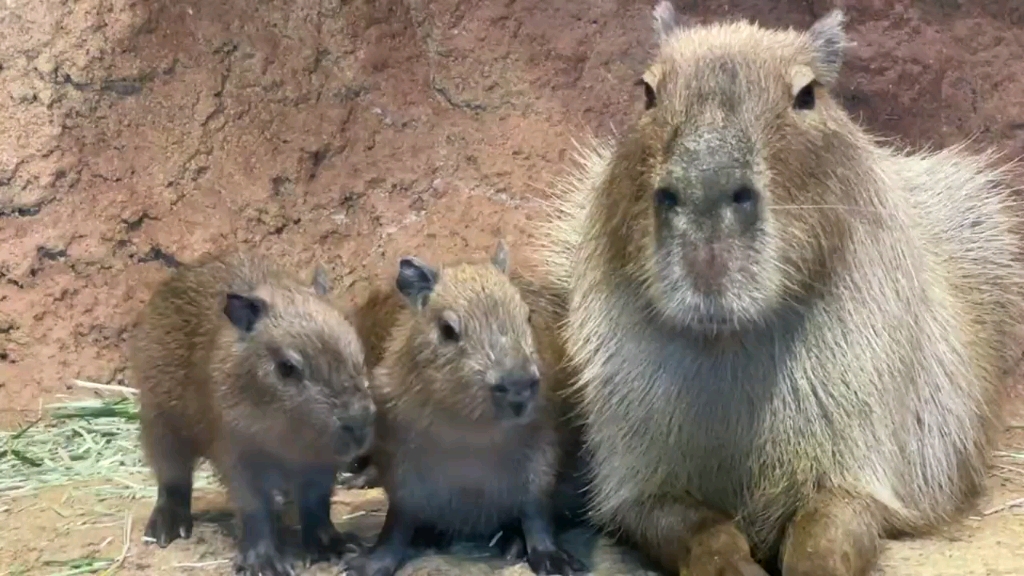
x: 359, y: 434
x: 666, y: 197
x: 744, y: 196
x: 500, y: 389
x: 351, y: 431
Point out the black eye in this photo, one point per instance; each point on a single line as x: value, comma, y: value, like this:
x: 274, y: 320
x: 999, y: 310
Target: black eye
x: 743, y: 195
x: 287, y: 369
x: 805, y: 98
x: 448, y: 332
x: 666, y: 197
x: 650, y: 98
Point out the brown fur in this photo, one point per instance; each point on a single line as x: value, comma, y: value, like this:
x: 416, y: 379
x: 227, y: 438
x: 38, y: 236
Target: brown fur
x: 378, y: 313
x: 373, y: 320
x: 451, y: 461
x: 806, y: 365
x: 212, y: 389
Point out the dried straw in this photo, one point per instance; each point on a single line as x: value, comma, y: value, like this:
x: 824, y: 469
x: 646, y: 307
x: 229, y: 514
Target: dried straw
x: 89, y: 441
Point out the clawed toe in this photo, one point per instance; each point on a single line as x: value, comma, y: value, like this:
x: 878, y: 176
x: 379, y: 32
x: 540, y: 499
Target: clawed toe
x: 511, y: 545
x: 332, y: 546
x: 555, y: 562
x: 367, y: 565
x: 167, y: 523
x: 262, y: 560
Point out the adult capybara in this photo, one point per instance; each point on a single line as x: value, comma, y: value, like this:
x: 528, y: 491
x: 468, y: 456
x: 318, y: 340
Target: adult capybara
x: 791, y: 338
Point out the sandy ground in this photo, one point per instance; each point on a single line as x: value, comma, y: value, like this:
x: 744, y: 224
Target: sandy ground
x: 137, y: 133
x: 39, y: 534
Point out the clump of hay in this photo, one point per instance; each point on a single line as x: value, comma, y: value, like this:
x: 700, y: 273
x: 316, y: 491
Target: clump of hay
x: 95, y: 442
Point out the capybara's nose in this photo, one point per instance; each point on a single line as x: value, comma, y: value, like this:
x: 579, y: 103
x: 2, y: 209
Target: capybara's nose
x: 357, y: 423
x: 517, y: 387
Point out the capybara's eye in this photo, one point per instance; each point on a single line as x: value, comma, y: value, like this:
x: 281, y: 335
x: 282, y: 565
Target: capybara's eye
x: 805, y: 98
x: 287, y: 369
x: 666, y: 197
x: 743, y: 196
x: 650, y: 98
x: 448, y: 331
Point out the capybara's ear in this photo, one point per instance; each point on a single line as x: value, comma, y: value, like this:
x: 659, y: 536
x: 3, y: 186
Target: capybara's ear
x: 828, y: 37
x: 665, y: 20
x: 416, y: 281
x: 321, y: 280
x: 244, y: 311
x: 500, y: 257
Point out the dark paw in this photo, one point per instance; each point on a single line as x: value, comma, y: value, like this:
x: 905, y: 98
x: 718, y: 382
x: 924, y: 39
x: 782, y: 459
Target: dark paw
x: 555, y: 562
x: 363, y: 480
x: 330, y: 545
x: 262, y: 560
x: 167, y: 523
x: 369, y: 565
x: 512, y: 545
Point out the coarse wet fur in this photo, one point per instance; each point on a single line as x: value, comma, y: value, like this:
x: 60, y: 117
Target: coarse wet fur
x: 238, y: 362
x: 792, y: 340
x: 467, y: 441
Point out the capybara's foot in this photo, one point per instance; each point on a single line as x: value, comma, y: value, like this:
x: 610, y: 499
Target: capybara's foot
x: 171, y: 517
x: 363, y: 480
x: 835, y: 534
x: 372, y: 565
x: 512, y: 545
x: 330, y: 545
x: 263, y: 559
x: 722, y: 551
x: 554, y: 561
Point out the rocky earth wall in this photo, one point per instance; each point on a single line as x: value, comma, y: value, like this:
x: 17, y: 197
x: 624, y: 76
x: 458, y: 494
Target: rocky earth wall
x: 137, y: 133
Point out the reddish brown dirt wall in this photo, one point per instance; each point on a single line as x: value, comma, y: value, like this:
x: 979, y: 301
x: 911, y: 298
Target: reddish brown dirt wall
x: 134, y: 133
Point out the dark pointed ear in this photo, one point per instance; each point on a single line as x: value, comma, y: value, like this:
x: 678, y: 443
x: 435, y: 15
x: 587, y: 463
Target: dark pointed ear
x: 665, y: 20
x: 321, y: 281
x: 500, y: 257
x: 416, y: 281
x: 244, y: 311
x: 828, y: 39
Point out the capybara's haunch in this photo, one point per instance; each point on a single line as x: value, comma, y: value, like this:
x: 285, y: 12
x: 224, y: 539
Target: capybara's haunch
x: 467, y: 438
x: 791, y: 338
x: 238, y: 362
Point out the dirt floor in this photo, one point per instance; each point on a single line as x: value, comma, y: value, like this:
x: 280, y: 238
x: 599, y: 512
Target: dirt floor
x: 137, y: 133
x: 41, y: 534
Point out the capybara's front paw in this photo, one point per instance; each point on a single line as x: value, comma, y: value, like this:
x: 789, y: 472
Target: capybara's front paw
x: 722, y: 551
x: 263, y: 559
x: 167, y: 523
x: 554, y: 561
x: 512, y: 545
x: 330, y: 545
x: 371, y: 565
x: 362, y: 480
x: 720, y: 566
